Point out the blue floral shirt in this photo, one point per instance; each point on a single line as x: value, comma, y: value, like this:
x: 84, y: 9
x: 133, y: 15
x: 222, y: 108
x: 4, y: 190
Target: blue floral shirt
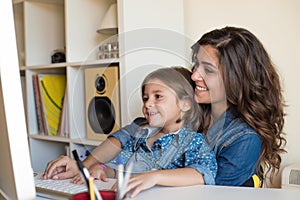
x: 184, y: 148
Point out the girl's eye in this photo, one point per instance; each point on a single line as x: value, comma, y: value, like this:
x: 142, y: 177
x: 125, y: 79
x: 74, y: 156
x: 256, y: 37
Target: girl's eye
x: 145, y: 99
x: 157, y: 96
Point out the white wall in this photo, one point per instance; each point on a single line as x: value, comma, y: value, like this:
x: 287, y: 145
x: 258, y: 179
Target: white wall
x: 276, y: 23
x: 150, y: 36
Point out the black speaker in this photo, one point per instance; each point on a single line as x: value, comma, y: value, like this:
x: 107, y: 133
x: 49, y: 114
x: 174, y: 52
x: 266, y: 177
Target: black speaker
x: 102, y: 101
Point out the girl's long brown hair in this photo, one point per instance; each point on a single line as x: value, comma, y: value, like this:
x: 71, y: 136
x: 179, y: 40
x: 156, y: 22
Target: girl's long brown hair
x: 252, y: 87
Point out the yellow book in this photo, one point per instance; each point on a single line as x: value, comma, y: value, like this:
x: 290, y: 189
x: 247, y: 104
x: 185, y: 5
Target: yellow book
x: 52, y: 89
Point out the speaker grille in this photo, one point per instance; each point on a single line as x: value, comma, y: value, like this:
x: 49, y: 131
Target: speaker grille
x: 101, y: 115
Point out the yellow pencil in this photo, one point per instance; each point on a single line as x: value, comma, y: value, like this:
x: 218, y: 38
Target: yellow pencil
x: 91, y: 187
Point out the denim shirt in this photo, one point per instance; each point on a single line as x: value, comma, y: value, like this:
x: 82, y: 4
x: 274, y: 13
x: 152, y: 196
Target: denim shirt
x: 237, y: 148
x: 184, y: 148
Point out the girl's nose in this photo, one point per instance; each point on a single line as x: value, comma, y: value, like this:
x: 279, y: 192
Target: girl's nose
x: 149, y: 104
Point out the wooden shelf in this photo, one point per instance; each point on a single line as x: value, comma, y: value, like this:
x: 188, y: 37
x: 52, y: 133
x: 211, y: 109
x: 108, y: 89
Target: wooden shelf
x: 50, y: 138
x: 84, y: 141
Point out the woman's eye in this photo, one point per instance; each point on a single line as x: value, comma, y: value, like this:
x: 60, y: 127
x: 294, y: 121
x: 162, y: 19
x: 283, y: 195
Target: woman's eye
x: 208, y: 70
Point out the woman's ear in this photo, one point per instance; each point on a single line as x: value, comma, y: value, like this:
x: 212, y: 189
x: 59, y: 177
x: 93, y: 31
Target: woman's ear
x: 185, y: 104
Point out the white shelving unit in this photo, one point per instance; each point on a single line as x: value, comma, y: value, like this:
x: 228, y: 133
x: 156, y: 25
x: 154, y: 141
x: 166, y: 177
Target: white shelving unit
x: 45, y: 25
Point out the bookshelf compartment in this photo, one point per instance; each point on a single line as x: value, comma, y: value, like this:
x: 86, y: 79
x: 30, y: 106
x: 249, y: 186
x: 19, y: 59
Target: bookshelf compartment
x: 32, y: 117
x: 44, y: 29
x: 42, y: 151
x: 82, y: 21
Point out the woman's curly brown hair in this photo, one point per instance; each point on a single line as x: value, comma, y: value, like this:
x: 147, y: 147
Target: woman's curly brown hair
x: 252, y: 87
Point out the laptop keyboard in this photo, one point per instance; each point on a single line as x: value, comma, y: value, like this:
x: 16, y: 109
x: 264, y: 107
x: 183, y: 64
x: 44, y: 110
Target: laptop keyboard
x: 66, y: 187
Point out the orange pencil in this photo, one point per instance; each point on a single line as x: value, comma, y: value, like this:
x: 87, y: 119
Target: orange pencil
x: 91, y: 186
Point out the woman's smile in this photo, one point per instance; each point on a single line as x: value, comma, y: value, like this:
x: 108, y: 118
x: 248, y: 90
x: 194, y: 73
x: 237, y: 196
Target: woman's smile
x: 201, y: 88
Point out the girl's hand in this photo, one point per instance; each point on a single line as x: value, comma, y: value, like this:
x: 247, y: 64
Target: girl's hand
x: 77, y: 179
x: 140, y: 182
x: 98, y: 172
x: 61, y: 168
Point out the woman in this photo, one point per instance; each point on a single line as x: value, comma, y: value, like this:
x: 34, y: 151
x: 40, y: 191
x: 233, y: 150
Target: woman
x: 238, y: 87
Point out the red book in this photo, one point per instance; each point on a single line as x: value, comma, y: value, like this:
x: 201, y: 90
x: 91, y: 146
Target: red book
x: 38, y: 105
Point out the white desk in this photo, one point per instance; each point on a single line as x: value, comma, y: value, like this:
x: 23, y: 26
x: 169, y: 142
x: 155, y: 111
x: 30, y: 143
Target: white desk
x: 217, y: 193
x: 206, y: 192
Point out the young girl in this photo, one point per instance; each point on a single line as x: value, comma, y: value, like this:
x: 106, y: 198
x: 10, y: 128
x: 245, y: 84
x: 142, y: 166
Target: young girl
x: 164, y: 141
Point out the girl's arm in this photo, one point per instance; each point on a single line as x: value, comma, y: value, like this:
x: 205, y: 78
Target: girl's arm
x: 105, y: 152
x: 170, y: 177
x: 65, y: 167
x: 112, y: 146
x: 109, y: 149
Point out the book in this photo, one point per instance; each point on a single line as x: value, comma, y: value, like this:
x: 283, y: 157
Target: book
x: 63, y: 128
x: 52, y: 91
x: 39, y: 114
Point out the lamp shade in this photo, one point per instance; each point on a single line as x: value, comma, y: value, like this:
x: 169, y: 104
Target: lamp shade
x: 109, y: 23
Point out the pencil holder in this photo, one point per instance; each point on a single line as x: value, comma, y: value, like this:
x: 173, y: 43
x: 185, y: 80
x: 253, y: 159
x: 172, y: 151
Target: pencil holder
x: 105, y: 194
